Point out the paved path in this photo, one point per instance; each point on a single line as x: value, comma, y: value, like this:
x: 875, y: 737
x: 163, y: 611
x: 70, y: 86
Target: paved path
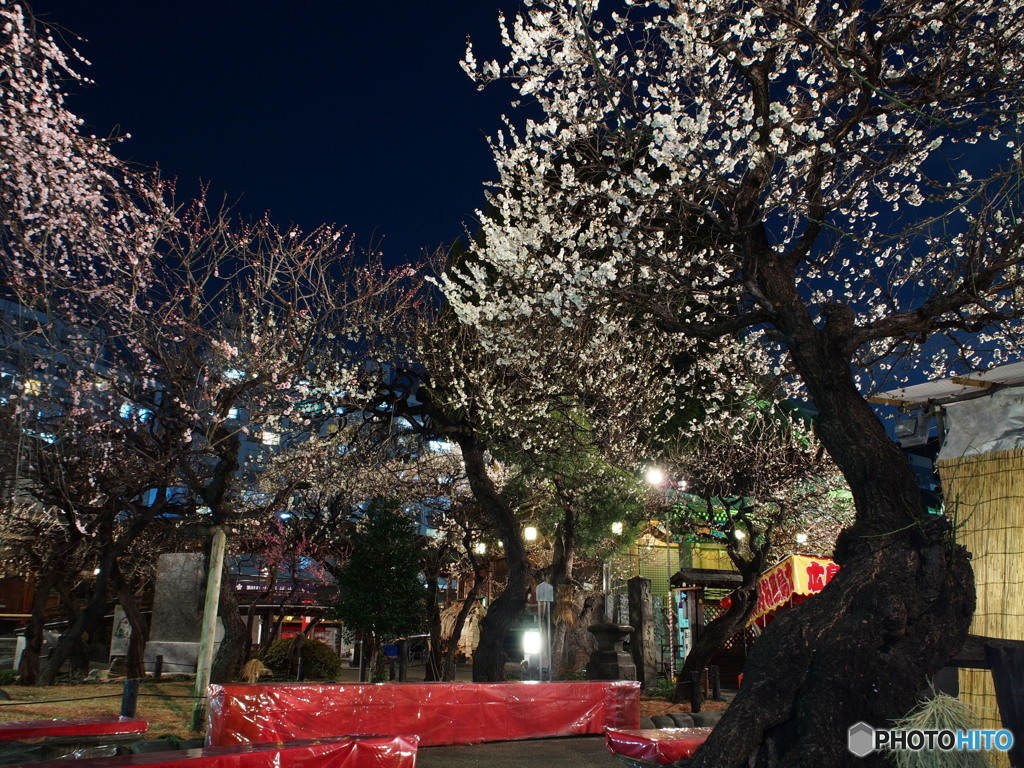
x: 571, y: 752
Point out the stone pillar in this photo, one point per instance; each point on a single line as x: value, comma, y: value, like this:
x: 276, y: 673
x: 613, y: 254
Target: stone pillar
x: 609, y: 661
x: 641, y: 641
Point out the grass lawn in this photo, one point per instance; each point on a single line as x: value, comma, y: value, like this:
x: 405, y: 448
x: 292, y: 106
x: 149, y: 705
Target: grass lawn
x: 166, y: 704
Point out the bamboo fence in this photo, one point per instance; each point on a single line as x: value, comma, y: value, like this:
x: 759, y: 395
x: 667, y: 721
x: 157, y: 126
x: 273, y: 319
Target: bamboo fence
x: 985, y: 499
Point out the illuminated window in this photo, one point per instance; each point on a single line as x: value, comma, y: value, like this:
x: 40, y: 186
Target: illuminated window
x: 271, y: 438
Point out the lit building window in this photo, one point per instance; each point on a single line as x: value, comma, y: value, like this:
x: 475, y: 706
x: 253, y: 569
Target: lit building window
x: 271, y: 438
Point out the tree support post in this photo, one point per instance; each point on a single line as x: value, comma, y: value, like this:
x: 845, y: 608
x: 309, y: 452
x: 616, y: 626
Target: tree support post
x: 208, y: 633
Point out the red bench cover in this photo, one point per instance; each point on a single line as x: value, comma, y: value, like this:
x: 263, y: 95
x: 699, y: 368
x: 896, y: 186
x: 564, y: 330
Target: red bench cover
x: 21, y: 730
x: 662, y: 745
x: 341, y: 752
x: 439, y: 713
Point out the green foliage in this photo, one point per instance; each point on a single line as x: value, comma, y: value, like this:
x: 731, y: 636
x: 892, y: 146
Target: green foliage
x: 572, y: 674
x: 8, y: 676
x: 319, y: 661
x: 379, y: 587
x: 663, y: 688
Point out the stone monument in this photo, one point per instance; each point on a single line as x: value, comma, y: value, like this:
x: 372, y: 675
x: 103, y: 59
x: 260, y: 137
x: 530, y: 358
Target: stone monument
x: 609, y: 661
x: 641, y: 641
x: 177, y: 612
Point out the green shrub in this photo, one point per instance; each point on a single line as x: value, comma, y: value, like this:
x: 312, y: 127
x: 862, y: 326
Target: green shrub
x: 8, y: 676
x: 572, y: 674
x: 663, y: 688
x: 319, y: 661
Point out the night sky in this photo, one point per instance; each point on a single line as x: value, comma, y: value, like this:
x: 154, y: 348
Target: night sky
x: 354, y: 113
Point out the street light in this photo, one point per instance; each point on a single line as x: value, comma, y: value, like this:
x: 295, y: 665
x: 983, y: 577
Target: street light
x: 480, y: 548
x: 617, y: 529
x: 655, y: 476
x: 530, y: 533
x: 801, y: 538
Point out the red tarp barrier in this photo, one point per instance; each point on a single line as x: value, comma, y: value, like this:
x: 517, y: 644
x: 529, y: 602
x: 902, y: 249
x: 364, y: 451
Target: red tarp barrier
x: 439, y: 713
x: 22, y: 730
x: 341, y: 752
x: 662, y: 746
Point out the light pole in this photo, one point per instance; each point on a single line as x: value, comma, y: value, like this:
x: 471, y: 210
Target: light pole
x: 656, y: 477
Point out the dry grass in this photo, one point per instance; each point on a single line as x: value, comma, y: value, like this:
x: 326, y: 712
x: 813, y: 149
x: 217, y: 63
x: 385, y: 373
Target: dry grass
x: 651, y: 706
x: 166, y: 705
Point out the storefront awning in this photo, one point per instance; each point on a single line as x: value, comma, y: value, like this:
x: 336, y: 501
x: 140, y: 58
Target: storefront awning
x: 790, y: 582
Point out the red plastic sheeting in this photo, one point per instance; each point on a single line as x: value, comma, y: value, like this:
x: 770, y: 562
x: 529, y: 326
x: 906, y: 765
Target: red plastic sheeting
x: 21, y: 730
x: 662, y: 746
x: 341, y: 752
x: 439, y: 713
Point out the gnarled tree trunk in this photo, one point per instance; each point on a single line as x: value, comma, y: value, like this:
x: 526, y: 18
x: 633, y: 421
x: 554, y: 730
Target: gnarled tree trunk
x: 134, y: 662
x: 28, y: 664
x: 231, y: 653
x: 489, y: 658
x: 894, y: 614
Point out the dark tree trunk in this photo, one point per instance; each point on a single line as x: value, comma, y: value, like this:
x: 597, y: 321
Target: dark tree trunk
x: 894, y: 614
x: 452, y: 643
x: 135, y: 666
x: 489, y: 658
x: 573, y: 644
x: 230, y: 656
x: 432, y: 670
x: 78, y: 658
x: 715, y: 634
x: 564, y: 611
x: 28, y: 664
x: 85, y: 622
x: 252, y: 614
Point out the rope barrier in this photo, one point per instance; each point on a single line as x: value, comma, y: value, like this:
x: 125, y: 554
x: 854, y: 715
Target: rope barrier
x: 57, y: 701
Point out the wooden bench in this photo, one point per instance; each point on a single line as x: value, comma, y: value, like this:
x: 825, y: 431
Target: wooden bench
x: 647, y: 747
x: 34, y: 741
x: 74, y: 729
x: 339, y: 752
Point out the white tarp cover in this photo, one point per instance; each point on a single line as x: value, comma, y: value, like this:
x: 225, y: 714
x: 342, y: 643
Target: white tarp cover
x: 984, y: 425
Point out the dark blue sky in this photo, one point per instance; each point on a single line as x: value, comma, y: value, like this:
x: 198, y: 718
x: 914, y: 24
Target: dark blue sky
x: 355, y: 113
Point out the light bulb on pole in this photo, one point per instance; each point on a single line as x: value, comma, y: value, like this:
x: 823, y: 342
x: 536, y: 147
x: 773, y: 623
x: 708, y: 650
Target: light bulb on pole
x: 655, y: 476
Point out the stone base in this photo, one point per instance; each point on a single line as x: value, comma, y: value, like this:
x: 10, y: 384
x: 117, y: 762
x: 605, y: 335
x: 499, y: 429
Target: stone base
x: 179, y: 658
x: 611, y: 665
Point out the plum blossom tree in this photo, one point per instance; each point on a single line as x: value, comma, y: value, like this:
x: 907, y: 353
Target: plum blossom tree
x: 837, y: 183
x: 491, y: 406
x: 754, y: 483
x: 206, y: 327
x: 371, y: 456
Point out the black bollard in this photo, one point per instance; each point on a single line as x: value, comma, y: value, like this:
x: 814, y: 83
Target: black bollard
x: 300, y: 673
x: 695, y: 692
x: 158, y: 667
x: 403, y: 661
x: 130, y: 698
x: 716, y: 683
